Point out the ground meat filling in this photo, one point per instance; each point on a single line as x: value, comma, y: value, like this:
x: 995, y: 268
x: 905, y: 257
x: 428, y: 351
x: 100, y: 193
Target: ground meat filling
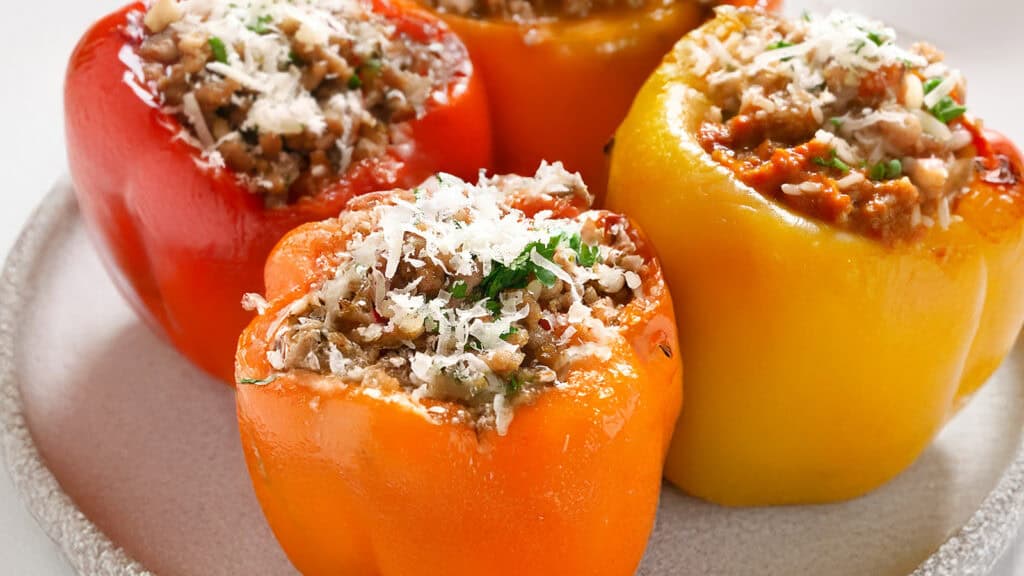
x: 289, y: 95
x: 452, y: 294
x: 534, y: 10
x: 830, y: 117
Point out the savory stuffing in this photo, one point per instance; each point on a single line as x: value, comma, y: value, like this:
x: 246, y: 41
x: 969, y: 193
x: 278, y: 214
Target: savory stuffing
x: 533, y: 10
x: 451, y: 293
x: 288, y: 94
x: 831, y: 117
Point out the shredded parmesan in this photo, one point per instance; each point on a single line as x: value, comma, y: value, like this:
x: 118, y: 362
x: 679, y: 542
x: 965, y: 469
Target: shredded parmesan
x: 453, y: 291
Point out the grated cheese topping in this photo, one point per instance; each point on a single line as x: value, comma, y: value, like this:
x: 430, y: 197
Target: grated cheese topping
x: 879, y: 129
x: 289, y: 93
x: 454, y: 294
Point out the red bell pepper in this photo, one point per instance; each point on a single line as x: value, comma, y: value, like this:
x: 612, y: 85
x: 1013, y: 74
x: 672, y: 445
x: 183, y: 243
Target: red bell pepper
x: 184, y: 242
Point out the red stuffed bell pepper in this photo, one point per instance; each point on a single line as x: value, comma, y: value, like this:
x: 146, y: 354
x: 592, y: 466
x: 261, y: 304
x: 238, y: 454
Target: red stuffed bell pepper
x: 199, y: 132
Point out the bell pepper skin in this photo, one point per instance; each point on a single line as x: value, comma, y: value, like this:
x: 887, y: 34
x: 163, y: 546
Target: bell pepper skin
x: 361, y: 484
x: 182, y: 242
x: 820, y: 363
x: 559, y: 89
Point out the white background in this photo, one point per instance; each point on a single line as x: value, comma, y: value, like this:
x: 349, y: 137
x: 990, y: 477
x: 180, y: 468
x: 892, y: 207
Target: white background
x: 40, y: 34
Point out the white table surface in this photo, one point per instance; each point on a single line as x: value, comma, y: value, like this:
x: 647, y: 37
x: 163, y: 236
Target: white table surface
x: 37, y: 40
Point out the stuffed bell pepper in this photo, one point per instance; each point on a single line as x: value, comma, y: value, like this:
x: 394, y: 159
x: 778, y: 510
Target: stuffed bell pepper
x: 462, y: 379
x: 561, y: 74
x: 200, y: 131
x: 847, y: 249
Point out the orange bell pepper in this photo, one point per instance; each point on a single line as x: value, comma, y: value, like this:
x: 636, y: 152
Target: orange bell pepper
x: 820, y: 363
x: 361, y: 484
x: 559, y: 88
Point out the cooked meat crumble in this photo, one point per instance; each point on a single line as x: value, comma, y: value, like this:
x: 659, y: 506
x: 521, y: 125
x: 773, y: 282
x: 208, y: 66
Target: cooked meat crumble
x: 830, y: 117
x: 286, y: 94
x: 452, y: 293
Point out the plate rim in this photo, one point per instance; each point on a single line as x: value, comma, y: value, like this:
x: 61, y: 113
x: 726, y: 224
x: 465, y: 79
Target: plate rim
x: 86, y: 548
x: 974, y: 549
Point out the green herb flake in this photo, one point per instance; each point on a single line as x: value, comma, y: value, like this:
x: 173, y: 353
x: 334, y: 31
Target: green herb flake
x: 931, y: 84
x: 517, y: 274
x: 586, y: 255
x: 779, y: 44
x: 493, y: 306
x: 833, y: 162
x: 876, y: 38
x: 459, y: 289
x: 260, y: 26
x: 355, y: 82
x: 220, y: 52
x: 513, y: 386
x: 837, y: 122
x: 890, y: 170
x: 508, y: 333
x: 947, y: 110
x: 257, y: 382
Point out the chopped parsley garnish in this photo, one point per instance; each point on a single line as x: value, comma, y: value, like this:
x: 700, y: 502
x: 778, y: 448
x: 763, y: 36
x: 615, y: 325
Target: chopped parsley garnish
x: 257, y: 382
x: 513, y: 386
x: 517, y: 274
x: 779, y: 44
x: 260, y: 26
x: 947, y: 110
x: 833, y: 162
x: 837, y: 122
x: 220, y: 52
x: 507, y: 333
x: 586, y: 255
x: 354, y: 82
x: 931, y: 84
x: 493, y: 306
x: 876, y: 38
x: 459, y: 289
x: 890, y: 170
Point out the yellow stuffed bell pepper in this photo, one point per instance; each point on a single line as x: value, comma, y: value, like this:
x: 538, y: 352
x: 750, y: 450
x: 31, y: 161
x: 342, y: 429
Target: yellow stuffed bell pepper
x: 844, y: 243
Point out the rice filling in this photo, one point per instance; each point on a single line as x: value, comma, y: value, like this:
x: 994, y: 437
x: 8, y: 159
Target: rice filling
x: 452, y: 293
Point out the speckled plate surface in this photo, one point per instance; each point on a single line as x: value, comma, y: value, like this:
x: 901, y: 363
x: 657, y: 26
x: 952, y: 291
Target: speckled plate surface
x: 129, y: 458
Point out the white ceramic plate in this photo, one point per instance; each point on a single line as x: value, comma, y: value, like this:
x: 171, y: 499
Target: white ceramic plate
x: 129, y: 459
x: 107, y: 431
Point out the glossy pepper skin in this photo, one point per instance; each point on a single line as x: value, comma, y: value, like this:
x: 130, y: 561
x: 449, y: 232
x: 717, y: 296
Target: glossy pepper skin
x: 367, y: 485
x: 819, y: 363
x: 184, y: 243
x: 559, y: 88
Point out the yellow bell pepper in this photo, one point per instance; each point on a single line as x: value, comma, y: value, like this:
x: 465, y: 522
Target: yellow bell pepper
x: 820, y: 363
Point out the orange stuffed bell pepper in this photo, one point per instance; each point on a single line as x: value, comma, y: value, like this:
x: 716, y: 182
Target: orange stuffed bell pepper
x: 460, y: 380
x: 199, y: 133
x: 561, y: 75
x: 847, y: 250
